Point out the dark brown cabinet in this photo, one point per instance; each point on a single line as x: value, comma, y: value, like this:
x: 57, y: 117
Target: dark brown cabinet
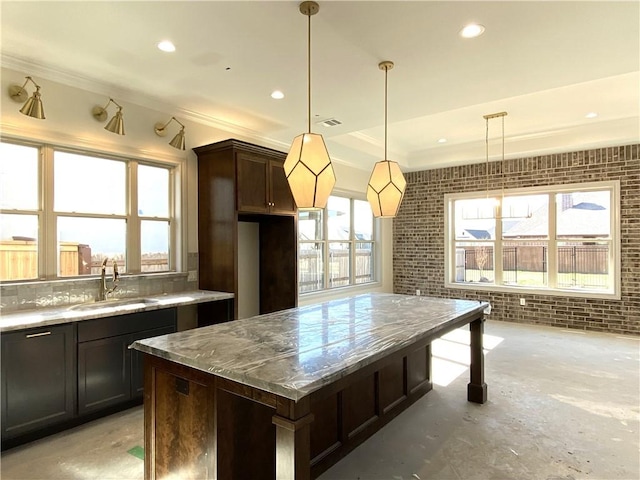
x: 242, y: 182
x: 262, y: 185
x: 38, y: 379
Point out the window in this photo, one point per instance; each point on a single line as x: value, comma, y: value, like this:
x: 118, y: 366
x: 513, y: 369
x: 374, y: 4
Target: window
x: 562, y: 239
x: 335, y: 245
x: 76, y: 209
x: 20, y: 212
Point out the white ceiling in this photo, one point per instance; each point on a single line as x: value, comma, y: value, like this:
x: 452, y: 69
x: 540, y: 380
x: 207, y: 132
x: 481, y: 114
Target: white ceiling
x: 547, y: 64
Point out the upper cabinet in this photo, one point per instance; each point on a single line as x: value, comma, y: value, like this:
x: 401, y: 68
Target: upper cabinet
x: 262, y: 185
x: 242, y: 182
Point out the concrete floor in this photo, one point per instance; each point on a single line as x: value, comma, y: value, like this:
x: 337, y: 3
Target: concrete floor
x: 563, y: 405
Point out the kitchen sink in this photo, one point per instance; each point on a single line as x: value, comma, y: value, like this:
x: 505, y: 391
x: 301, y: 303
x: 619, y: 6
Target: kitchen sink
x: 124, y: 303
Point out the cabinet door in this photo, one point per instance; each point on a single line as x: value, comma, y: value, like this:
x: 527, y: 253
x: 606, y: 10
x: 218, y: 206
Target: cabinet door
x: 280, y: 194
x: 104, y: 373
x: 38, y: 379
x: 252, y: 183
x: 137, y: 367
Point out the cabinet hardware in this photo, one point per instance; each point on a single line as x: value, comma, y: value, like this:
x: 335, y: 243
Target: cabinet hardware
x: 41, y: 334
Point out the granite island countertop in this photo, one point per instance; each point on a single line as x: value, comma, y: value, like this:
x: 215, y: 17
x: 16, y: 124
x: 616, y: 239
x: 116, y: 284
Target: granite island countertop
x: 295, y: 352
x: 107, y: 308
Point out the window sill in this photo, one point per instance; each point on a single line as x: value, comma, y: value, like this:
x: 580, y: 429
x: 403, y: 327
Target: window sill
x: 567, y: 292
x: 338, y: 292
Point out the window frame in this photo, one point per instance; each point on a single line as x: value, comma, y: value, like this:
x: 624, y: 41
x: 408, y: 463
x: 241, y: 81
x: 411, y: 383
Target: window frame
x: 325, y: 241
x: 612, y: 292
x: 47, y: 242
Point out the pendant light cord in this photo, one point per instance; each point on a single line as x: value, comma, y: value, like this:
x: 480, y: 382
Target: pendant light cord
x: 486, y: 142
x: 386, y: 74
x: 309, y: 71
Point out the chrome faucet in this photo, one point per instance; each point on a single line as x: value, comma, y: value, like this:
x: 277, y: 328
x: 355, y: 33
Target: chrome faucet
x: 104, y: 290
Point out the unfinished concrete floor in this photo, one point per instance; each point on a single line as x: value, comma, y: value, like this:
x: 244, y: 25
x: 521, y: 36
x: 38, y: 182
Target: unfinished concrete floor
x: 562, y: 405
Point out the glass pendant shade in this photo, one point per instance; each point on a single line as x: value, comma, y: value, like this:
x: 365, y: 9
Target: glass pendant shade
x: 116, y: 124
x: 33, y: 106
x: 178, y: 141
x: 309, y: 171
x: 386, y: 189
x: 386, y: 184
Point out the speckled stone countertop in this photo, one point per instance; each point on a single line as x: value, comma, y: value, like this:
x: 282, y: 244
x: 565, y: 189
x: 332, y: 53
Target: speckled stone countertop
x: 295, y: 352
x: 107, y: 308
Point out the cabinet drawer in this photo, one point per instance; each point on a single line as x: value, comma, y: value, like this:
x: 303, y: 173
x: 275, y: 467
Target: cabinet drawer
x: 125, y: 324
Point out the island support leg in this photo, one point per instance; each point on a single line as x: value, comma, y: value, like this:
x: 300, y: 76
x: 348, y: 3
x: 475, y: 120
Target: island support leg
x: 477, y: 389
x: 293, y: 440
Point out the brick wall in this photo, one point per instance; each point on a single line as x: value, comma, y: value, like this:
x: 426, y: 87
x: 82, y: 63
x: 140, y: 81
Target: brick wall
x: 418, y: 234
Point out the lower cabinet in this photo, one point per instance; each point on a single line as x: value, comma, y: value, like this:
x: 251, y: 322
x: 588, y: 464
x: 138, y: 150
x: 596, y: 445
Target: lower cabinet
x: 59, y: 376
x: 38, y: 378
x: 108, y: 372
x: 104, y: 376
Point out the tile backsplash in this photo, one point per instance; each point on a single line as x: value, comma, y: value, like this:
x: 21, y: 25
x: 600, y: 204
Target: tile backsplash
x: 42, y: 294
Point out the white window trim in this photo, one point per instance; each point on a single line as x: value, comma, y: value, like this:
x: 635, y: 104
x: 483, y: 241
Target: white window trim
x: 47, y: 217
x: 334, y: 292
x: 615, y: 251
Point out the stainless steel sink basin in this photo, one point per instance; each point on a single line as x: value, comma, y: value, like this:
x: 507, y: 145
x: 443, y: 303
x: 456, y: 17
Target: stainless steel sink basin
x: 125, y: 302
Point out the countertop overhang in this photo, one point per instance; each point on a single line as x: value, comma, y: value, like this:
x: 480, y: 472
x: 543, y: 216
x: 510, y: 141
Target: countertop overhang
x: 74, y: 313
x: 295, y: 352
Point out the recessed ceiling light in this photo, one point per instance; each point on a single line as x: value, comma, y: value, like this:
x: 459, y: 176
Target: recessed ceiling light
x: 591, y: 115
x: 472, y: 30
x: 167, y: 46
x: 442, y: 140
x: 277, y: 94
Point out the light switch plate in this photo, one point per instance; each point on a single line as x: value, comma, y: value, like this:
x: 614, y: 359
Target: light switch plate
x: 193, y: 276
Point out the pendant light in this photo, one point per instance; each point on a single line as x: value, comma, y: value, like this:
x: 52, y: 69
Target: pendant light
x: 387, y: 184
x: 308, y: 167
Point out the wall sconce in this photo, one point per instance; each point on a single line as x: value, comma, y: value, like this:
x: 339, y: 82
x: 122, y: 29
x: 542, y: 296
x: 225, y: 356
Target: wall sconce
x: 33, y: 105
x: 386, y: 184
x: 116, y: 124
x: 178, y: 141
x: 308, y: 167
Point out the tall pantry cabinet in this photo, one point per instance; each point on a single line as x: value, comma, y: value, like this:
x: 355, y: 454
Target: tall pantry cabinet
x: 242, y: 182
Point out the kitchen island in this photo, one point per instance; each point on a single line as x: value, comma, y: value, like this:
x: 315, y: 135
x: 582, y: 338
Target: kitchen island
x: 287, y: 394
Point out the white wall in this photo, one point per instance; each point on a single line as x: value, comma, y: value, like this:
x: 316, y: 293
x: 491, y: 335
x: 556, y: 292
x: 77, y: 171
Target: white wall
x: 69, y: 123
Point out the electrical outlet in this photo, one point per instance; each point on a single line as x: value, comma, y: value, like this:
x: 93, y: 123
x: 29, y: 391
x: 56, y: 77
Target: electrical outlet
x: 192, y: 276
x: 523, y: 302
x: 418, y: 292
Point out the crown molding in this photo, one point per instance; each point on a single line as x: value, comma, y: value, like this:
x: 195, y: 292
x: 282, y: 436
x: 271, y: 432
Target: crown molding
x: 63, y: 139
x: 95, y: 85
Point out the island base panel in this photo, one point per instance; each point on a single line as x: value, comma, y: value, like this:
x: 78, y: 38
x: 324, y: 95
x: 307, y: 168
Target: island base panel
x: 202, y: 426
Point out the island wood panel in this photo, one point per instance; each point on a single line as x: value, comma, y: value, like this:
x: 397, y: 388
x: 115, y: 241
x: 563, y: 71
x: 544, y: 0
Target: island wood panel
x: 360, y: 405
x: 328, y: 413
x: 393, y: 384
x: 369, y: 399
x: 192, y: 409
x: 250, y: 438
x: 179, y: 416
